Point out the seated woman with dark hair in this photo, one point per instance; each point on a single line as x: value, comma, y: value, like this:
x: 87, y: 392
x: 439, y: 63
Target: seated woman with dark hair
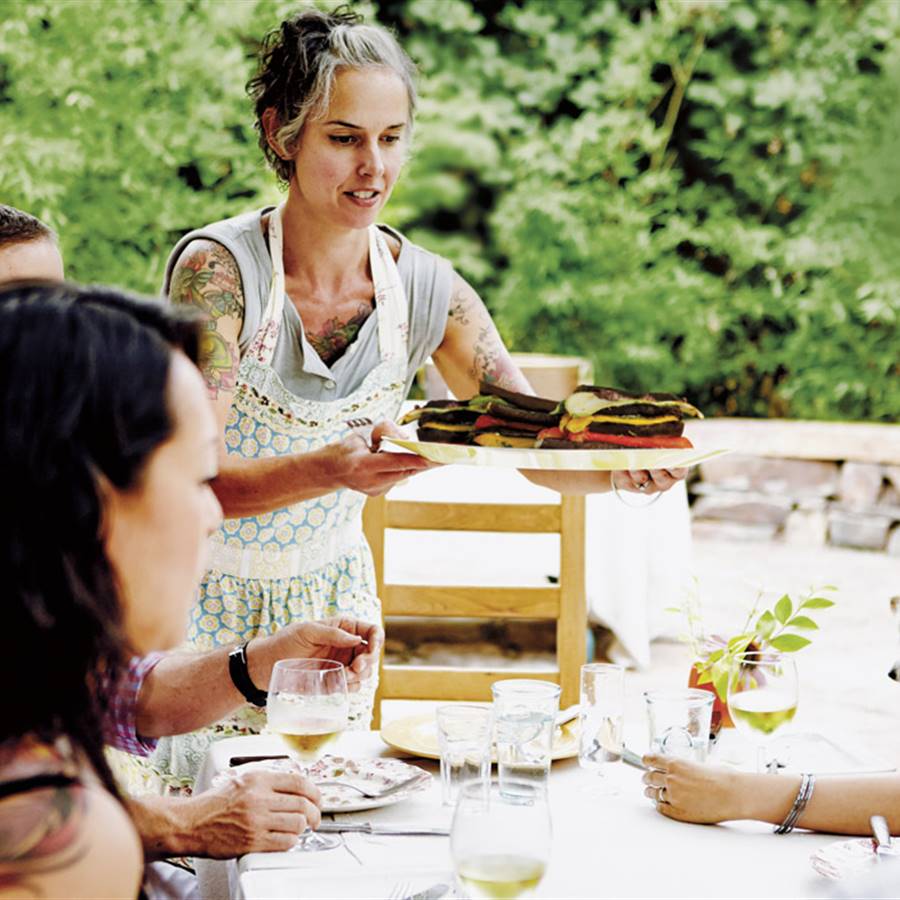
x: 106, y: 514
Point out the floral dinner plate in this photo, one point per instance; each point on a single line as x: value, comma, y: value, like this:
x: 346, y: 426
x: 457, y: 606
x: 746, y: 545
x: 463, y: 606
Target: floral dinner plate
x: 372, y: 775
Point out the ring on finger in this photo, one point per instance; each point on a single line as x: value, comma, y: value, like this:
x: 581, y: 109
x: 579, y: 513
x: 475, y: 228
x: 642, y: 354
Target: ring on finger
x: 643, y: 486
x: 662, y: 796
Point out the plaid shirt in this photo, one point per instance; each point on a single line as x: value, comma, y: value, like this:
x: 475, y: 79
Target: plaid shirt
x: 119, y: 723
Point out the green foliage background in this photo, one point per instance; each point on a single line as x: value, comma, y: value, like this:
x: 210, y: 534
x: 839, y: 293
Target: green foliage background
x: 699, y: 196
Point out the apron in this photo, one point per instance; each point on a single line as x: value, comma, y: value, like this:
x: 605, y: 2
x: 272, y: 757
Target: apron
x: 303, y: 562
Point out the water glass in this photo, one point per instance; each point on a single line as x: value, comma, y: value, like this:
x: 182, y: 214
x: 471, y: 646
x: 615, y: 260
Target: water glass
x: 464, y: 736
x: 601, y: 718
x: 679, y: 722
x: 524, y: 720
x: 500, y: 847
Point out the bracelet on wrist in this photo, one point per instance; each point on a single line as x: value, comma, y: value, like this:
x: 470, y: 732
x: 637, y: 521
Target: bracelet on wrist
x: 807, y: 785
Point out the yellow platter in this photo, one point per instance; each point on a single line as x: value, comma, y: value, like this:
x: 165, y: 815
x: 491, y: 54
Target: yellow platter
x: 578, y: 460
x: 417, y: 735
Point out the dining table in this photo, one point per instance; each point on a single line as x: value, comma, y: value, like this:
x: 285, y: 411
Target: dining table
x: 604, y: 844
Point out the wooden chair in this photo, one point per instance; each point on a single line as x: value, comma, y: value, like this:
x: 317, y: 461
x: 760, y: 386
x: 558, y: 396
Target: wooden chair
x: 564, y: 602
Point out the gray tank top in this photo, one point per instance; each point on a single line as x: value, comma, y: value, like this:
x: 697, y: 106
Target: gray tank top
x: 427, y: 280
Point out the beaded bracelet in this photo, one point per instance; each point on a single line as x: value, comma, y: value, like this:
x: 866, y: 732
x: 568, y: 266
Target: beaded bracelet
x: 807, y: 784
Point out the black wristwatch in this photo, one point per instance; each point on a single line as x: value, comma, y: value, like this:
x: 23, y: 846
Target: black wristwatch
x: 240, y: 676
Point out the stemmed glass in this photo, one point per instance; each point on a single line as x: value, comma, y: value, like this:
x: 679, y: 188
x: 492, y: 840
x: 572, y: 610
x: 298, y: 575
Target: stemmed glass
x: 762, y: 698
x: 601, y: 717
x: 308, y: 707
x: 500, y: 847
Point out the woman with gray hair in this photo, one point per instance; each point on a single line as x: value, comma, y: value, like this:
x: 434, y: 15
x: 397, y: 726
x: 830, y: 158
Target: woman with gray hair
x: 318, y: 317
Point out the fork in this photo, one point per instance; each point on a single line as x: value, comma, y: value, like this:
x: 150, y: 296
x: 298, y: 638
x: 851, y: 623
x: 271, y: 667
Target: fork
x: 370, y: 795
x: 362, y: 422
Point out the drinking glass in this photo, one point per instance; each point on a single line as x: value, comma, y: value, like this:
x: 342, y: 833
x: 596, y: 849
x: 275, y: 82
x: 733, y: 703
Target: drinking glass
x: 464, y: 736
x: 678, y: 721
x: 762, y: 698
x: 524, y: 720
x: 601, y: 717
x: 500, y: 847
x: 308, y: 707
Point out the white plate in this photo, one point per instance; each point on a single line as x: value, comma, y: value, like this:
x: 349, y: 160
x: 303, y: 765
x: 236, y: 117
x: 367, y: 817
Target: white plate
x: 374, y: 774
x: 580, y: 460
x: 841, y: 859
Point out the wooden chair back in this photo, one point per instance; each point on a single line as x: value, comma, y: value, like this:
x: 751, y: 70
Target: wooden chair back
x: 564, y: 602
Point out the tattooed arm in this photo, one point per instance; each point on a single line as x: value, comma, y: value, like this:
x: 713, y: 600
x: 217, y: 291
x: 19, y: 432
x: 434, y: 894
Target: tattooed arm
x: 206, y: 276
x: 60, y: 837
x: 472, y: 351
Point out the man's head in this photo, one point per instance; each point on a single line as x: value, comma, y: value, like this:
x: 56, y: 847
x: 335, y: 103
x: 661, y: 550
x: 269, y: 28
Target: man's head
x: 28, y: 248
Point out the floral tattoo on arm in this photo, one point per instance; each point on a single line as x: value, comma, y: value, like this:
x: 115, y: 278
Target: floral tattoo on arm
x: 490, y: 361
x: 206, y: 276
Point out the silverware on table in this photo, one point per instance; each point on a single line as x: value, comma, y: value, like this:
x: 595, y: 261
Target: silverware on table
x: 632, y: 759
x: 881, y: 838
x: 369, y: 828
x: 374, y: 795
x: 564, y: 716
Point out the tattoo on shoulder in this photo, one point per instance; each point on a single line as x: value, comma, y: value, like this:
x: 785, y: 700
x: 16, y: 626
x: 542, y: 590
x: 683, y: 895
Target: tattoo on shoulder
x: 41, y: 831
x: 208, y: 277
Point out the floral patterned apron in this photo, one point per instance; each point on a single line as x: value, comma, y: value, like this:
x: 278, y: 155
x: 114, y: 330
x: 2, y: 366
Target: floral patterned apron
x: 307, y: 561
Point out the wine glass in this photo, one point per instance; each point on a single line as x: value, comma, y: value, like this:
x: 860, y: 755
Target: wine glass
x: 500, y: 847
x: 601, y: 718
x: 762, y: 697
x: 308, y: 707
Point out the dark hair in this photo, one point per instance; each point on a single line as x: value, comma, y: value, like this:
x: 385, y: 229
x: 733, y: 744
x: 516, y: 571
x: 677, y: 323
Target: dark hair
x: 83, y: 393
x: 17, y: 227
x: 298, y: 62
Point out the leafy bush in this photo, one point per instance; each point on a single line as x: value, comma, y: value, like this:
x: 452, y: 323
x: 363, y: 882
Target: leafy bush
x: 700, y: 197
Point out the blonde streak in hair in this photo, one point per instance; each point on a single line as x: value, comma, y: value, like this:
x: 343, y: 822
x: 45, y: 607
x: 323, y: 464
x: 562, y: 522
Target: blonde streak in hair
x: 354, y: 47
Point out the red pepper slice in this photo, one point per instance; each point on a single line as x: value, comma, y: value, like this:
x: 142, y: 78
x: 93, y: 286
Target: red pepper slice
x: 654, y: 442
x: 511, y: 424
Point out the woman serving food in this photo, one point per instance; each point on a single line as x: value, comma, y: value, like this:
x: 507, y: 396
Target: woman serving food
x: 318, y: 320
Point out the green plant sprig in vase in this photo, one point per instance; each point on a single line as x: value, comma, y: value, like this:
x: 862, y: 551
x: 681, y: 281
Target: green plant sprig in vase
x: 779, y: 629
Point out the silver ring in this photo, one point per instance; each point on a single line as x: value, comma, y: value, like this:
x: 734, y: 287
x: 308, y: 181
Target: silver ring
x: 662, y: 796
x: 643, y: 486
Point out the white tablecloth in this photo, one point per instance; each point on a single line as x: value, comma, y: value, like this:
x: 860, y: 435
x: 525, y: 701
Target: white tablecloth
x: 638, y: 559
x: 616, y: 846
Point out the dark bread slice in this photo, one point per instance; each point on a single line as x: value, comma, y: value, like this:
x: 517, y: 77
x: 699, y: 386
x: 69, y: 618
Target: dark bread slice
x: 502, y: 409
x: 438, y: 436
x: 636, y: 429
x: 525, y: 401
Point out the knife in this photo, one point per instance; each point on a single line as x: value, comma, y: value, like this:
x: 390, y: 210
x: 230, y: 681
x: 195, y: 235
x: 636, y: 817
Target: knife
x: 369, y: 828
x: 632, y: 759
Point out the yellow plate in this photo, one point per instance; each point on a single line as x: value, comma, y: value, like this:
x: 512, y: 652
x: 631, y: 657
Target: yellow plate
x: 418, y: 735
x: 580, y: 460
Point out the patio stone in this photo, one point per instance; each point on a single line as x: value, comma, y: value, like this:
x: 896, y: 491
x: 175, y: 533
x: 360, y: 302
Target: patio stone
x: 848, y: 529
x: 806, y: 527
x: 860, y: 484
x: 893, y: 544
x: 793, y: 477
x: 744, y: 508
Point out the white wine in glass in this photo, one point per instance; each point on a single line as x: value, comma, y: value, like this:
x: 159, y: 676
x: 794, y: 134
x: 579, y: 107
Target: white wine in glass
x: 500, y: 846
x: 762, y: 697
x: 308, y: 708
